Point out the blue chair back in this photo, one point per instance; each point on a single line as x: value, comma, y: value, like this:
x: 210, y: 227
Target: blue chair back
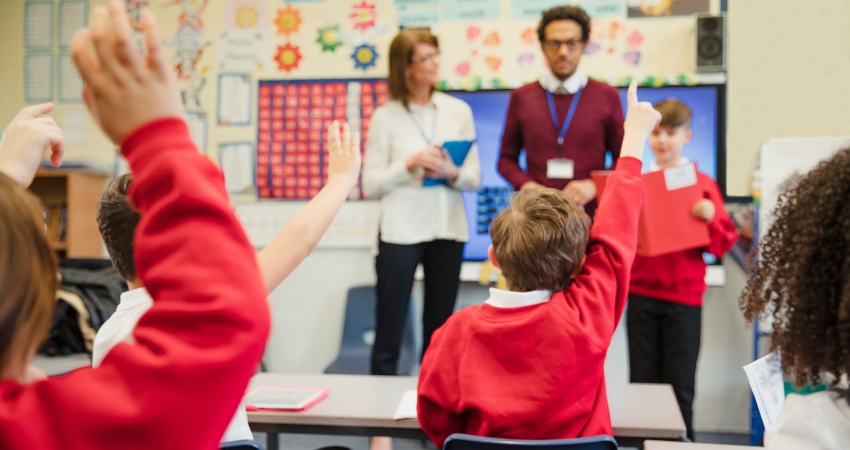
x: 459, y: 441
x: 245, y: 444
x: 355, y: 353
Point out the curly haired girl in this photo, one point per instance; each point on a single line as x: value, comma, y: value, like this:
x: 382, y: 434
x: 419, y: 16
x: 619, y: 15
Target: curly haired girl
x: 802, y: 279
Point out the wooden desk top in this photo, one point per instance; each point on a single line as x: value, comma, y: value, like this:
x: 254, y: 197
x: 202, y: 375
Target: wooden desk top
x: 667, y: 445
x: 637, y: 410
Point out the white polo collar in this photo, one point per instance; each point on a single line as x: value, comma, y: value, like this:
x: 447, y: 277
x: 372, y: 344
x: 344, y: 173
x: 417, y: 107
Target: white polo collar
x: 571, y: 84
x: 510, y: 299
x: 654, y: 167
x: 133, y: 298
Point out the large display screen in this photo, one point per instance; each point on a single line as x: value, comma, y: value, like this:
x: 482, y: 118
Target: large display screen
x: 489, y: 108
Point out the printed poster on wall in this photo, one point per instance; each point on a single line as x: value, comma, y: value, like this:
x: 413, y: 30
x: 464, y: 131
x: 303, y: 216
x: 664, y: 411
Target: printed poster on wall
x: 663, y: 8
x: 242, y: 50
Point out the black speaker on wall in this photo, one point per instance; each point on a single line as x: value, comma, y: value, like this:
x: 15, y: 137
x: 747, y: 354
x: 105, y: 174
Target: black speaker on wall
x: 711, y: 43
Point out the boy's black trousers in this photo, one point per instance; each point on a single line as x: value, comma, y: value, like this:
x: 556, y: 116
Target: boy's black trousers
x: 664, y: 339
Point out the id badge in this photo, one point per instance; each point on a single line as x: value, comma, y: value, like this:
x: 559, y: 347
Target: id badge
x: 560, y: 169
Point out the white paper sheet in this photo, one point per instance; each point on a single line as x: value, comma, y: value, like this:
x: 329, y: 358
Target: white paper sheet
x: 74, y: 125
x: 407, y: 406
x: 237, y: 163
x: 70, y: 83
x: 768, y: 386
x: 197, y: 122
x: 38, y: 25
x: 234, y: 99
x: 243, y: 50
x: 38, y: 74
x: 72, y: 17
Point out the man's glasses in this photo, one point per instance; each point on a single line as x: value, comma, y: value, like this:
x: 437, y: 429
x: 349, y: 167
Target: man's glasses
x: 432, y: 58
x: 555, y: 45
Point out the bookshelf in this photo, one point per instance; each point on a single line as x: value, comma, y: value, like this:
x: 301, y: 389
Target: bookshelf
x: 70, y: 202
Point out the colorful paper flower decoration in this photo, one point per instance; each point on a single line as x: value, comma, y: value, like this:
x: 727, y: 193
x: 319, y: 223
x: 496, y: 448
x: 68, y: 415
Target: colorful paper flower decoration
x: 288, y: 20
x: 364, y: 56
x: 329, y: 38
x: 363, y: 16
x: 288, y: 57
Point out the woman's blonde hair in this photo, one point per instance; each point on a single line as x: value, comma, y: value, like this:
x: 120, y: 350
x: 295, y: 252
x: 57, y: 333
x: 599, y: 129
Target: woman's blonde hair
x: 27, y: 274
x: 401, y: 53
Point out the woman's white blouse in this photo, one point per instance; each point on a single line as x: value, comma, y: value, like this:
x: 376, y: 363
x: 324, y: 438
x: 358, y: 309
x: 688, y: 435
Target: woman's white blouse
x: 411, y: 213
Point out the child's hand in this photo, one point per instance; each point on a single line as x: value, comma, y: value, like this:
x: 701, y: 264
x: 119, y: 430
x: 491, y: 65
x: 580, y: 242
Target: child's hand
x: 344, y: 153
x: 641, y: 119
x: 24, y: 141
x: 123, y: 89
x: 703, y: 210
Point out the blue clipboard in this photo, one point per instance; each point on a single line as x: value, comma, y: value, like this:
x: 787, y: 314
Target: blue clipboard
x: 458, y: 151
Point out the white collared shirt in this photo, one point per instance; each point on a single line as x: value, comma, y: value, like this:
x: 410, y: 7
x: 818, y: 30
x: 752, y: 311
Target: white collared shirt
x: 509, y: 299
x: 551, y: 83
x: 119, y: 328
x: 410, y: 213
x: 654, y: 167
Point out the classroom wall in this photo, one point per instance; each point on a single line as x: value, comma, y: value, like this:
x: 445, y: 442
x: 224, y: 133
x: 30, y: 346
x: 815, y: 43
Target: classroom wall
x: 789, y: 63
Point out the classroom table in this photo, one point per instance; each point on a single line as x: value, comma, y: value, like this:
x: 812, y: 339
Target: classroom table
x: 364, y: 405
x: 667, y: 445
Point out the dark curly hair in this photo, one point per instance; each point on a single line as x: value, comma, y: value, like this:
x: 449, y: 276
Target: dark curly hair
x: 574, y: 13
x: 802, y: 276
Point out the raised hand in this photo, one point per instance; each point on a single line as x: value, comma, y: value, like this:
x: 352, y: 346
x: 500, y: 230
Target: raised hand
x: 24, y: 142
x: 124, y: 90
x: 344, y: 153
x: 641, y: 119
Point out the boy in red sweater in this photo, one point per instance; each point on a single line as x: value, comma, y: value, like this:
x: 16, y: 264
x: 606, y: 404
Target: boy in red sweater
x: 528, y: 364
x: 198, y: 346
x: 665, y: 296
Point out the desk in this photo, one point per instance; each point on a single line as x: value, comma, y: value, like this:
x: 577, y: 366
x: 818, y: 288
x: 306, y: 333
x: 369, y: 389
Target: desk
x: 660, y: 445
x: 362, y: 405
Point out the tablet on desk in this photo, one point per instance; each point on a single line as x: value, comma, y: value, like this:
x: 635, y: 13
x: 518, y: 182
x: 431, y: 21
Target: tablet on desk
x: 283, y: 398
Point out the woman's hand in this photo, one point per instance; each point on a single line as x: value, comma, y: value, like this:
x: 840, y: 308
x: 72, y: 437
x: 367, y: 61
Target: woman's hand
x: 429, y: 158
x: 447, y: 169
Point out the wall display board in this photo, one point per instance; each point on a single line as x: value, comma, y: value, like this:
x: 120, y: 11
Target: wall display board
x: 293, y: 118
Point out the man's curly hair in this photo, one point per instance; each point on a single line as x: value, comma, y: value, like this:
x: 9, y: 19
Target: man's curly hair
x: 802, y: 276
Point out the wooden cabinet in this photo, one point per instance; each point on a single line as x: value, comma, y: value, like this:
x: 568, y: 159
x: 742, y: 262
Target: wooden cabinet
x: 73, y: 233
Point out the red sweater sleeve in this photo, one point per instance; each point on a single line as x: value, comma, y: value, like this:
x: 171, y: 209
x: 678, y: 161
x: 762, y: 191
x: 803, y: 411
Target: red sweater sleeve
x: 198, y: 345
x: 512, y: 144
x: 721, y: 230
x: 598, y: 294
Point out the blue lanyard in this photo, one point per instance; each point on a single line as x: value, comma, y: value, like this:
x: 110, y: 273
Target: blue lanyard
x: 419, y: 127
x: 568, y: 120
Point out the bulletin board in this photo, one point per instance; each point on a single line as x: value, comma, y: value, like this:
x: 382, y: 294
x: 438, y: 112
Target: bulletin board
x: 293, y: 118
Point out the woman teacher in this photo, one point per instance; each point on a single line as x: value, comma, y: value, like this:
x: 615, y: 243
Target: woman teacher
x: 422, y: 214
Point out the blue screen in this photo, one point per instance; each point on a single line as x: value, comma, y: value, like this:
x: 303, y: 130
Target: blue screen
x: 489, y: 109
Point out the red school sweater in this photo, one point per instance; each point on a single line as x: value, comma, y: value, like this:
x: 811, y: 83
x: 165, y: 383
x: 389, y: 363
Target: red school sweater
x: 680, y: 276
x: 199, y: 344
x: 597, y: 126
x: 536, y: 372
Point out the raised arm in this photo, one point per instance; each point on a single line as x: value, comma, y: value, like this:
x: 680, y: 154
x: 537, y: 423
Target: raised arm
x: 600, y: 291
x: 199, y: 344
x: 302, y: 232
x: 24, y: 141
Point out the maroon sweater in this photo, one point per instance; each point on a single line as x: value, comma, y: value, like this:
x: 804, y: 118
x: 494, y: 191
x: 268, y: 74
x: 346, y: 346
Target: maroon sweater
x: 597, y: 126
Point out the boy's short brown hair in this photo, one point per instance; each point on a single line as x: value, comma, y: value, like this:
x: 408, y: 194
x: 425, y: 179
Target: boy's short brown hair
x: 540, y: 240
x: 674, y: 113
x: 117, y: 221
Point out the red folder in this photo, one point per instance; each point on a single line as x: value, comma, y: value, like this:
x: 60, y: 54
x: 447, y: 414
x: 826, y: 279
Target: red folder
x: 666, y: 224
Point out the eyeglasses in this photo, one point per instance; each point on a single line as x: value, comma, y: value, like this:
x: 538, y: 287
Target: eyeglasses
x: 554, y: 45
x: 432, y: 58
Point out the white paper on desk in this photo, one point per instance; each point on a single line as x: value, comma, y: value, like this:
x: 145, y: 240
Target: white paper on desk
x: 407, y: 406
x: 768, y: 385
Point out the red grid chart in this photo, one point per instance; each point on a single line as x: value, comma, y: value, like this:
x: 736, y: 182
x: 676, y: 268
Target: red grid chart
x: 292, y: 119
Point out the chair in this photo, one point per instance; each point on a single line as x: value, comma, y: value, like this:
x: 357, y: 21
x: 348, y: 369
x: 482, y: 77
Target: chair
x: 460, y: 441
x: 355, y: 353
x: 245, y: 444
